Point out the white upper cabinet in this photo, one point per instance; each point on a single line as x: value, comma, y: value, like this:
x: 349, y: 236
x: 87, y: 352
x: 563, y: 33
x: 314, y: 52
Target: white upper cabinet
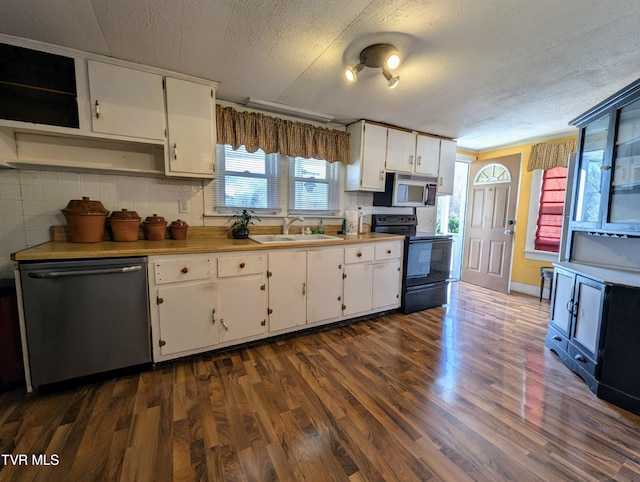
x: 126, y: 102
x: 401, y: 150
x: 427, y: 155
x: 191, y: 129
x: 447, y: 166
x: 368, y: 145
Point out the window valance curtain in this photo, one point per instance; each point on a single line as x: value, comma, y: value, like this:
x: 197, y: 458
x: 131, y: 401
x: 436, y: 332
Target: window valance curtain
x: 547, y: 155
x: 271, y: 134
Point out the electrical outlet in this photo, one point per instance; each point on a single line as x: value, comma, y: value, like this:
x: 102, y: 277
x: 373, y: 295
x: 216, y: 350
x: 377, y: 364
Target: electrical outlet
x: 183, y: 206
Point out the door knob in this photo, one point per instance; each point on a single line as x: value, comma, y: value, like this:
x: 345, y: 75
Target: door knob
x: 508, y: 232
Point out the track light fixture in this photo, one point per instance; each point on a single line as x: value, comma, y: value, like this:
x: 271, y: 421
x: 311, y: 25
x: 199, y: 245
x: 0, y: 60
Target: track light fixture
x: 377, y: 56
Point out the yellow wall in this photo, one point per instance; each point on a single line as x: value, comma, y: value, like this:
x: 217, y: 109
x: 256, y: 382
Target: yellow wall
x: 526, y: 271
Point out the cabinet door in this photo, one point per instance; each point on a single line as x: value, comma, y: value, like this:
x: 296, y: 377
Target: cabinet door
x: 126, y: 102
x: 187, y: 318
x: 358, y: 288
x: 287, y: 289
x: 587, y: 199
x: 386, y: 284
x: 191, y: 125
x: 243, y: 307
x: 324, y: 284
x: 561, y: 300
x: 401, y: 147
x: 447, y: 166
x: 427, y: 155
x: 368, y: 151
x: 624, y: 198
x: 589, y: 302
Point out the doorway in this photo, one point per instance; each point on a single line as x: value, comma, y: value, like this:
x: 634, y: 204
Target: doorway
x: 450, y: 215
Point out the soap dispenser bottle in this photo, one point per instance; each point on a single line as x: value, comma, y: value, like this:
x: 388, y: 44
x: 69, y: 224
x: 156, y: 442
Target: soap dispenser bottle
x: 320, y: 227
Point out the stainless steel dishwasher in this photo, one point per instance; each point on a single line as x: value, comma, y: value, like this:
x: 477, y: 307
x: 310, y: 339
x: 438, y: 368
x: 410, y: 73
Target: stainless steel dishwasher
x: 85, y: 317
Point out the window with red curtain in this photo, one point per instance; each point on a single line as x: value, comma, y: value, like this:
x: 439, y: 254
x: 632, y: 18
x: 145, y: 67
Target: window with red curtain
x: 549, y: 230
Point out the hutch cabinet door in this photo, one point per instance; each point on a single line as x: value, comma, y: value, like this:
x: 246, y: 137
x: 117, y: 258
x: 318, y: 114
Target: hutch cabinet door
x: 561, y: 300
x: 589, y: 182
x: 588, y: 306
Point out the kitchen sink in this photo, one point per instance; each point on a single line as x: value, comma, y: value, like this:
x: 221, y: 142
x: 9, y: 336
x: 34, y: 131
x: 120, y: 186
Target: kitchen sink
x: 291, y: 238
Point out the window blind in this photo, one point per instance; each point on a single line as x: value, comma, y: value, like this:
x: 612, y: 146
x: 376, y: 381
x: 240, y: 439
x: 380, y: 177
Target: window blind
x: 552, y: 196
x: 314, y: 186
x: 246, y: 180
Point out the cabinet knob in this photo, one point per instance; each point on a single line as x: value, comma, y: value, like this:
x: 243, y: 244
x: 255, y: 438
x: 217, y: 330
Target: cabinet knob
x: 411, y: 160
x: 339, y: 266
x: 241, y: 265
x: 185, y: 270
x: 419, y: 160
x: 388, y: 251
x: 359, y: 255
x: 175, y: 152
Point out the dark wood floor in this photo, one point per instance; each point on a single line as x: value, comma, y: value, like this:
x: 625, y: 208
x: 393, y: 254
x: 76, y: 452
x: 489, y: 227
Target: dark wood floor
x: 466, y: 392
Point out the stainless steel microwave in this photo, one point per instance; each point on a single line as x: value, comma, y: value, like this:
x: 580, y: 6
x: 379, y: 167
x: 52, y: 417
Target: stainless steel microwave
x: 406, y: 190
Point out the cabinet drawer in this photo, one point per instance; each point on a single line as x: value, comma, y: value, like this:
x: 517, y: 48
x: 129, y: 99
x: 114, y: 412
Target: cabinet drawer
x: 358, y: 254
x: 555, y: 339
x: 388, y: 251
x: 183, y: 269
x: 241, y: 265
x: 583, y: 359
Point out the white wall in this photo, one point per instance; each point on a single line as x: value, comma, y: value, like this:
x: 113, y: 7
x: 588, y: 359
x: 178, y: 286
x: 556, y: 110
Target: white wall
x: 30, y: 202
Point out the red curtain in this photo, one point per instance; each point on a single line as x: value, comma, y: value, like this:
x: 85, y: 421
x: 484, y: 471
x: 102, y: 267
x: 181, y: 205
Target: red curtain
x: 554, y: 185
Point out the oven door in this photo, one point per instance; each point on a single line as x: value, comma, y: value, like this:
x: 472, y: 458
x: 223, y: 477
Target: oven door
x: 427, y: 261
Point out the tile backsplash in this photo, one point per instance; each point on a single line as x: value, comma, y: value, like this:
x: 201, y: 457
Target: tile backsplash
x: 31, y: 200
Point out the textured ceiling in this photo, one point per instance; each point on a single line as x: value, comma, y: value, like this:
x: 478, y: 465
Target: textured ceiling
x: 488, y: 73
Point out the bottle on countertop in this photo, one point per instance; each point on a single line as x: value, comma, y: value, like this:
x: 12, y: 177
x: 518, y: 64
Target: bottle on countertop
x: 320, y: 227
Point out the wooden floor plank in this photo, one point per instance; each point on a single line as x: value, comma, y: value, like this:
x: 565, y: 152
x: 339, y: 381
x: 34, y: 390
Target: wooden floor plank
x: 462, y: 392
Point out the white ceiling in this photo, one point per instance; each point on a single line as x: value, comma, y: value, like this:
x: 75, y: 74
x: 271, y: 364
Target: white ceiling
x: 486, y: 72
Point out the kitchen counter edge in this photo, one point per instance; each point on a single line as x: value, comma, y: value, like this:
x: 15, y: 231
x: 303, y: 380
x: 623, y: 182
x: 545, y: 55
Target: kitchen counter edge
x: 56, y: 250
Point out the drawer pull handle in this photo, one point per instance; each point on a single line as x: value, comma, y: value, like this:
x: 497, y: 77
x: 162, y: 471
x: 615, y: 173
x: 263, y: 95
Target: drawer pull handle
x: 304, y: 288
x: 224, y: 324
x: 185, y: 270
x: 213, y: 316
x: 580, y: 358
x: 97, y: 104
x: 557, y: 338
x: 241, y: 265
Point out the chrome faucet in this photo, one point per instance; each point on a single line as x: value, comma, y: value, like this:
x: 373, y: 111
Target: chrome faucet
x: 288, y: 221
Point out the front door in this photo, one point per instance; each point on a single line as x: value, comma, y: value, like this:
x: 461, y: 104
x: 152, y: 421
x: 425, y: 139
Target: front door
x: 490, y: 222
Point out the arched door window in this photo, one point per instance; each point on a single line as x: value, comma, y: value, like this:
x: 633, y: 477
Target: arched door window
x: 491, y: 174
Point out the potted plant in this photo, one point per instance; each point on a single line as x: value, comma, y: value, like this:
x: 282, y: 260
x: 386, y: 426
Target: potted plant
x: 241, y: 222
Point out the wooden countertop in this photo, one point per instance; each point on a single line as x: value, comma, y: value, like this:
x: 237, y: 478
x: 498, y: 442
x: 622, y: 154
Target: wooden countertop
x: 200, y: 243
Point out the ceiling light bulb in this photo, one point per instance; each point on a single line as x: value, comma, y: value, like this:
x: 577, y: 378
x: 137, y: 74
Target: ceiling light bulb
x: 392, y: 82
x: 351, y: 73
x: 393, y: 60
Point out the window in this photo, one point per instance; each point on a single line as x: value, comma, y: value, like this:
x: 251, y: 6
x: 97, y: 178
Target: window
x: 314, y: 186
x: 246, y: 180
x: 551, y: 206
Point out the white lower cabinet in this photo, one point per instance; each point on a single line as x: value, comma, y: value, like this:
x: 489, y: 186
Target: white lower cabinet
x: 243, y: 308
x: 386, y: 285
x: 203, y: 302
x: 324, y: 284
x: 287, y: 289
x: 242, y: 296
x: 186, y: 318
